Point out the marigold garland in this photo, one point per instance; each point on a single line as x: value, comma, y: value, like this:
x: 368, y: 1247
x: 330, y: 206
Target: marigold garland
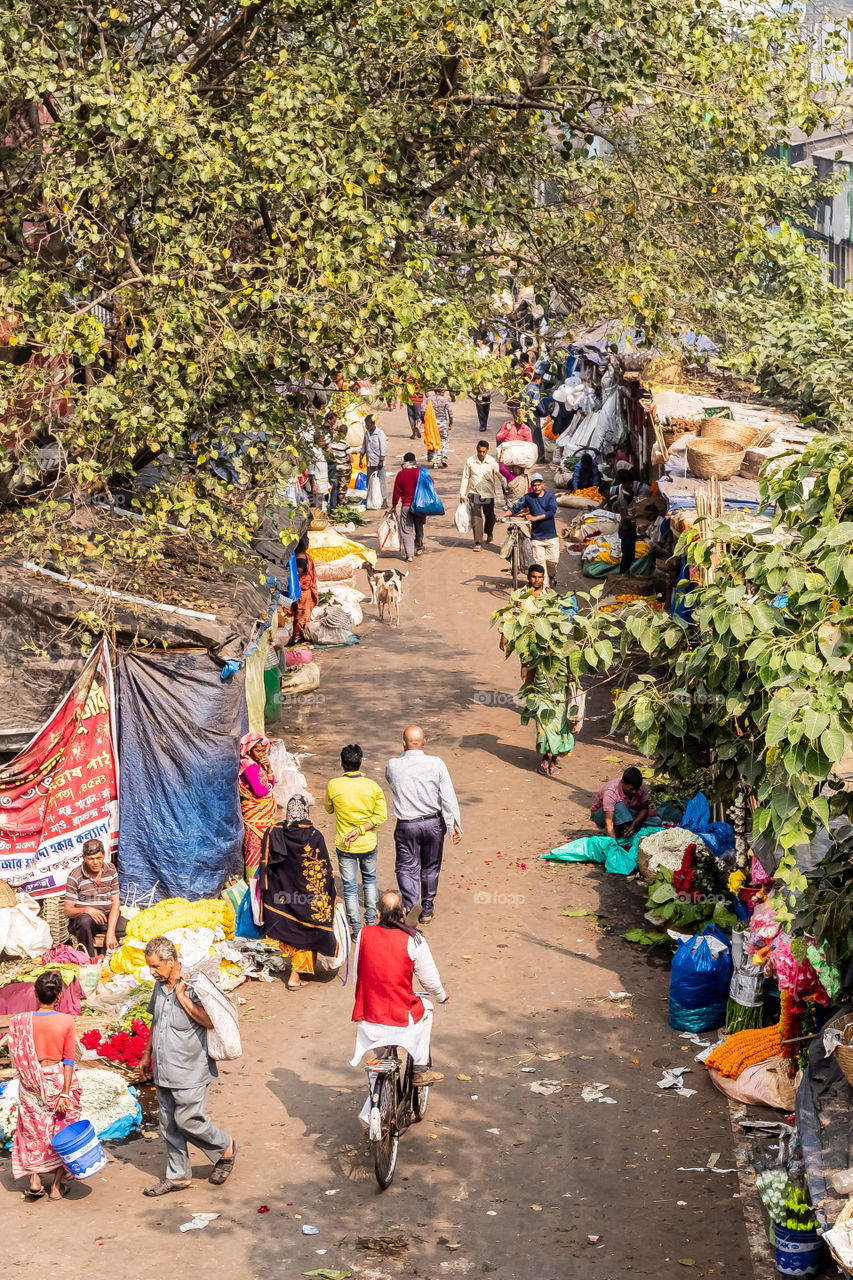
x: 745, y: 1049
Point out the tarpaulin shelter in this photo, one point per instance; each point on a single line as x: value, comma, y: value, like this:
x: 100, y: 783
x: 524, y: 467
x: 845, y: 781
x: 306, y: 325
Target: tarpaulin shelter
x: 175, y: 629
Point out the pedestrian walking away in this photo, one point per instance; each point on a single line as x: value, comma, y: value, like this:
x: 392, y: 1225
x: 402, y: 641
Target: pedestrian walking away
x: 425, y: 807
x: 360, y: 809
x: 415, y: 414
x: 374, y: 448
x: 183, y: 1070
x: 444, y: 420
x: 481, y: 483
x: 411, y: 523
x: 541, y: 505
x: 388, y: 956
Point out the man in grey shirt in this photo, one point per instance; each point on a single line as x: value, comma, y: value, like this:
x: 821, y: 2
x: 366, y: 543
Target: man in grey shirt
x: 182, y: 1073
x: 374, y: 448
x: 426, y: 807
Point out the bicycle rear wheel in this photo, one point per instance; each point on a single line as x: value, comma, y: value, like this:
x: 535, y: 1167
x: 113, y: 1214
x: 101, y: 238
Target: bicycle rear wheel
x: 516, y: 557
x: 420, y: 1098
x: 385, y: 1149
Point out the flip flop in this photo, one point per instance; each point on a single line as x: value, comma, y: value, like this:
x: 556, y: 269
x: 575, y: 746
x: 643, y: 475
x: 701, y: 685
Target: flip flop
x: 544, y: 770
x: 221, y: 1171
x: 34, y: 1193
x: 164, y: 1186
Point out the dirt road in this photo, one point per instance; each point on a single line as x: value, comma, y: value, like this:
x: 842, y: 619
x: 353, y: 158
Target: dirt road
x: 498, y: 1177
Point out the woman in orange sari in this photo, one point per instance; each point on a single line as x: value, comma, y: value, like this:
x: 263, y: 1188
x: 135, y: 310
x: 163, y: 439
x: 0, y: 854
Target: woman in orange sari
x: 257, y: 802
x: 307, y: 602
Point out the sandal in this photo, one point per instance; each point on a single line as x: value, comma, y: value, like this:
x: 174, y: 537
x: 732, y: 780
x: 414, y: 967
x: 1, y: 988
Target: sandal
x: 164, y: 1186
x: 545, y: 769
x: 34, y: 1193
x: 221, y: 1171
x: 554, y: 770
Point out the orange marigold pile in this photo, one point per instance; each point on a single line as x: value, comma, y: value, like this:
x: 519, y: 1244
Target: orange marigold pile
x: 590, y: 492
x: 745, y: 1049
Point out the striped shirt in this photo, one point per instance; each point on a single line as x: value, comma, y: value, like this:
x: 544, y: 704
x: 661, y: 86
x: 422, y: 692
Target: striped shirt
x: 82, y: 891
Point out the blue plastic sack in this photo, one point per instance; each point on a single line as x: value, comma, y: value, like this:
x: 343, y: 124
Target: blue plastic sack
x: 700, y: 980
x: 706, y: 1018
x: 361, y: 482
x: 294, y: 587
x: 718, y: 836
x: 426, y: 501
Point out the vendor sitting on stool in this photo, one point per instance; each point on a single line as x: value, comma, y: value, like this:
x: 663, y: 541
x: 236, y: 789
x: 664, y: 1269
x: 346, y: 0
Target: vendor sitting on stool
x: 92, y: 900
x: 621, y: 805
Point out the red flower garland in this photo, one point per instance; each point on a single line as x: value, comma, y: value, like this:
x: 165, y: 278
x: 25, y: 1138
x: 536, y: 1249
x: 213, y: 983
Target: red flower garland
x: 126, y: 1047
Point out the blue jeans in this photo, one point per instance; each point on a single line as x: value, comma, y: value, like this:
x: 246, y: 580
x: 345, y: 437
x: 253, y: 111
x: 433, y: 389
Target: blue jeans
x: 623, y: 815
x: 349, y: 864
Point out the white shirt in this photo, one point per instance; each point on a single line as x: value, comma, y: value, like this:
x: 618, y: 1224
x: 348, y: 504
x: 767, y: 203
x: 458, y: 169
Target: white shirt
x: 415, y: 1036
x: 482, y: 478
x: 420, y: 785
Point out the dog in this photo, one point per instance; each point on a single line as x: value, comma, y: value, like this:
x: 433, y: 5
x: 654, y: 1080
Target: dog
x: 386, y: 591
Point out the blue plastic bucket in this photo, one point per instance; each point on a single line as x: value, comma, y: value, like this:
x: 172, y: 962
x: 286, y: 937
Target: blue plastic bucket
x: 81, y: 1152
x: 798, y: 1253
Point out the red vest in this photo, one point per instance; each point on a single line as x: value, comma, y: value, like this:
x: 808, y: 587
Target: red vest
x: 383, y: 989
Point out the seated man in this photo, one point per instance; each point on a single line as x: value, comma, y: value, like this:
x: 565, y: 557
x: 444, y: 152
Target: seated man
x: 388, y: 955
x: 92, y: 900
x: 622, y: 804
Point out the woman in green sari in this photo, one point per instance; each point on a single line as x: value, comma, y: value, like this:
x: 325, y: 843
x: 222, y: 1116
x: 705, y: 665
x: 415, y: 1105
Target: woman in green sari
x: 547, y: 705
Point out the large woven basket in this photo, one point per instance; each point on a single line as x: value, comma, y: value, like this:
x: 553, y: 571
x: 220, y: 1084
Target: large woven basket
x: 7, y: 894
x: 735, y: 432
x: 844, y: 1053
x: 53, y: 910
x: 714, y: 459
x: 319, y: 520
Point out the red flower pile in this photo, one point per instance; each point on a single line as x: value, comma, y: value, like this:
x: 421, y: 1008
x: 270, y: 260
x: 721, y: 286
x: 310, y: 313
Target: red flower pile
x: 682, y: 880
x: 125, y: 1047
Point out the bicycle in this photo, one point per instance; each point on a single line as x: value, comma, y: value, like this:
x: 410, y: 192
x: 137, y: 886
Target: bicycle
x: 395, y: 1103
x: 519, y: 531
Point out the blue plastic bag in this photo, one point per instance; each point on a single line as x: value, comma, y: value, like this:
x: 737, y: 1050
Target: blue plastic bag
x: 426, y: 501
x: 699, y: 982
x: 718, y: 836
x: 294, y: 587
x: 244, y: 923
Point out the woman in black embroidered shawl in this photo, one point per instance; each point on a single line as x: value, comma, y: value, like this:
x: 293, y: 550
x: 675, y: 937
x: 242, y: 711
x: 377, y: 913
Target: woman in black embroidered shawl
x: 297, y: 889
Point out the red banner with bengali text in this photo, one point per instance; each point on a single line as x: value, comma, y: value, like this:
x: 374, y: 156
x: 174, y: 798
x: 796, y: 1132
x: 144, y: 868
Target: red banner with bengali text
x: 62, y: 789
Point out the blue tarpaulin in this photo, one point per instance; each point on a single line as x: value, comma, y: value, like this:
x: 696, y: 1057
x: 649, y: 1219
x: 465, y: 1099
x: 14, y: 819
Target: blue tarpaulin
x: 179, y: 734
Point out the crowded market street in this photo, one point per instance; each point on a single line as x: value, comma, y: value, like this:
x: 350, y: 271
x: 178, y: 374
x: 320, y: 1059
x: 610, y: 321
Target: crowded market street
x: 499, y: 1177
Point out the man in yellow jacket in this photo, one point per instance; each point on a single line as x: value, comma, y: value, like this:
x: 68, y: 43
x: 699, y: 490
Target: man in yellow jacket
x: 359, y: 807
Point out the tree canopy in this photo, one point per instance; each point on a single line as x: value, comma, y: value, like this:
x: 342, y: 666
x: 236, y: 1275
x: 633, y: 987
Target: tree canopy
x: 202, y: 203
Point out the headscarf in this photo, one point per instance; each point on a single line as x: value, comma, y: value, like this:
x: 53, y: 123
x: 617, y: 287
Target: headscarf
x: 247, y: 742
x: 296, y: 811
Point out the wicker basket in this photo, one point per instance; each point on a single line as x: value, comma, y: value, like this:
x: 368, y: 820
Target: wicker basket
x: 735, y: 432
x: 714, y: 459
x: 319, y: 520
x: 53, y: 910
x: 7, y: 894
x: 844, y: 1053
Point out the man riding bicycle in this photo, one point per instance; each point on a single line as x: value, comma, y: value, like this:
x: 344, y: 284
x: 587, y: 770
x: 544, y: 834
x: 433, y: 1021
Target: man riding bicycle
x: 388, y: 956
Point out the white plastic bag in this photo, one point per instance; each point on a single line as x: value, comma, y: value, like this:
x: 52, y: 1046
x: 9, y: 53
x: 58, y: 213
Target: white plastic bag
x: 23, y: 932
x: 462, y: 519
x: 223, y: 1039
x: 329, y: 964
x: 289, y: 778
x: 374, y: 493
x: 389, y: 534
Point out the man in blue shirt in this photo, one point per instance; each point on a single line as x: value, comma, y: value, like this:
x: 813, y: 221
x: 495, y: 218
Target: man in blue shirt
x: 541, y: 506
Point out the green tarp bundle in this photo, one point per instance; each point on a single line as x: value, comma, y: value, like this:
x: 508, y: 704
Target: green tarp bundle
x: 616, y: 858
